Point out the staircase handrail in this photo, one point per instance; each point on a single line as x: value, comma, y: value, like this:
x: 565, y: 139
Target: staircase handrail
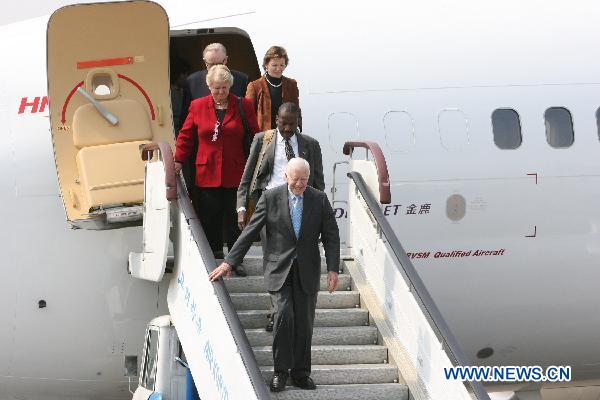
x: 383, y: 177
x: 425, y: 301
x: 231, y: 316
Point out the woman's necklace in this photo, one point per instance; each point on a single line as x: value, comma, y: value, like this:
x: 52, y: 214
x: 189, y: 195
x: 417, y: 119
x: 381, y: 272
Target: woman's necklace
x: 275, y: 86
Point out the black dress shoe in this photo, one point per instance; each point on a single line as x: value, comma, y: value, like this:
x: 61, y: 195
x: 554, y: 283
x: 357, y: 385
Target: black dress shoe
x: 240, y: 270
x: 278, y: 381
x: 304, y: 382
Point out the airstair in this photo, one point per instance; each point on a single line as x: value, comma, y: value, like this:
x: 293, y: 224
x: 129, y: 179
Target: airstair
x: 349, y: 359
x: 379, y: 336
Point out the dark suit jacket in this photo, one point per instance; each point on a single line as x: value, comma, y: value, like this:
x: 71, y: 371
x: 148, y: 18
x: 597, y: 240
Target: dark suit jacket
x: 196, y: 87
x: 273, y: 213
x: 218, y: 163
x: 308, y: 148
x: 258, y: 93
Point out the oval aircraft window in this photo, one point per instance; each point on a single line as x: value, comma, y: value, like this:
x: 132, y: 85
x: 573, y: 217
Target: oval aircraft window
x: 559, y: 127
x: 454, y: 129
x: 598, y: 121
x: 507, y: 128
x: 399, y: 128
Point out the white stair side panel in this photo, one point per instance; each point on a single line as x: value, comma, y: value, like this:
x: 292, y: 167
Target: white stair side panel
x: 403, y: 314
x: 204, y: 333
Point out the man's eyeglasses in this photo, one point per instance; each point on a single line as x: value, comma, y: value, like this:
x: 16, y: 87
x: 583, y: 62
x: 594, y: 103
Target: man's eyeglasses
x: 209, y: 65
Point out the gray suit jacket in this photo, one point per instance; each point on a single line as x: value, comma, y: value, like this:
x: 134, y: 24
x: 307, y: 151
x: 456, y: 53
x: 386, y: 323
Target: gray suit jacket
x: 308, y: 148
x: 273, y: 213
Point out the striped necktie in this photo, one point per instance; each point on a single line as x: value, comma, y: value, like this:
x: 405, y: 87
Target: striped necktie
x: 289, y: 152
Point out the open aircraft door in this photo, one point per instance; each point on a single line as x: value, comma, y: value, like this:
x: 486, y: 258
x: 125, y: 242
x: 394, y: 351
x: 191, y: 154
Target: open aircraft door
x: 109, y: 93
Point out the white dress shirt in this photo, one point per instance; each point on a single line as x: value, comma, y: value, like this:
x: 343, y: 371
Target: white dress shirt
x: 280, y: 161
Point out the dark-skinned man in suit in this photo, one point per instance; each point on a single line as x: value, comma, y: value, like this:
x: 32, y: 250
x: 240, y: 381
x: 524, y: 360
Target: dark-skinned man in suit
x: 295, y: 216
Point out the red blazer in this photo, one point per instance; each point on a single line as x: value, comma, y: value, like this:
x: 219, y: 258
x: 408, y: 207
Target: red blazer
x: 218, y: 163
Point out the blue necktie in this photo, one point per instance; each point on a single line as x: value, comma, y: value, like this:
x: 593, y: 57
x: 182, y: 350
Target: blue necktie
x: 297, y: 215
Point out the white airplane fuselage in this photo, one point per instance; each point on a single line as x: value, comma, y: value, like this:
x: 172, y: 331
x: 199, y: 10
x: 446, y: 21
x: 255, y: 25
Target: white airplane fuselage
x: 515, y: 271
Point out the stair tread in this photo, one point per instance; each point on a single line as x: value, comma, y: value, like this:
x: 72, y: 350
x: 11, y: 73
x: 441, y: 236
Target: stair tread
x: 323, y: 317
x: 262, y: 301
x: 332, y: 346
x: 373, y: 391
x: 322, y: 367
x: 318, y: 311
x: 254, y: 265
x: 330, y: 374
x: 324, y: 335
x: 321, y: 293
x: 316, y: 329
x: 255, y: 283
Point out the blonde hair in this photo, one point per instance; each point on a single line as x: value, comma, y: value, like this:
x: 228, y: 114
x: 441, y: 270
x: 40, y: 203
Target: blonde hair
x: 219, y: 73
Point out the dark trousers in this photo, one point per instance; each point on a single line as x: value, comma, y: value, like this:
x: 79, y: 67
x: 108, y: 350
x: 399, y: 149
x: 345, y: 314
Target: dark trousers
x: 292, y: 333
x: 215, y: 208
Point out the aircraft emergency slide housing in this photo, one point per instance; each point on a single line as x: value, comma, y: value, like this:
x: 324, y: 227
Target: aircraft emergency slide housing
x: 108, y: 96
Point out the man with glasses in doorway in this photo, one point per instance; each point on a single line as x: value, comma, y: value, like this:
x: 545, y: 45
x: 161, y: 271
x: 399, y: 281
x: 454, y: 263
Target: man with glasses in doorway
x: 196, y: 87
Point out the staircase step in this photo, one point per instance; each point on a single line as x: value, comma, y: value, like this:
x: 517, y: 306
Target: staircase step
x: 255, y: 284
x: 323, y: 317
x: 332, y: 355
x: 346, y: 374
x: 254, y: 265
x: 382, y: 391
x: 339, y: 299
x: 262, y: 301
x: 346, y: 335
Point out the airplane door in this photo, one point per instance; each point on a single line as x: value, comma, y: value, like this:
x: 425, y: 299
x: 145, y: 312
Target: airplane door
x: 109, y: 93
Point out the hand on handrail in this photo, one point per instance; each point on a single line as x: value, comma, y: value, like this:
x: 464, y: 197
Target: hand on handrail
x: 178, y: 166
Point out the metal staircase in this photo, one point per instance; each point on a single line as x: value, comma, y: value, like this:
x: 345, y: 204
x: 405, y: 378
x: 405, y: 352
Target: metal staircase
x: 349, y: 360
x: 220, y: 325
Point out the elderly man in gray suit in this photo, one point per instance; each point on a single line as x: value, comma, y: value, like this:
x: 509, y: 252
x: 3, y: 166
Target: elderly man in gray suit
x: 295, y: 216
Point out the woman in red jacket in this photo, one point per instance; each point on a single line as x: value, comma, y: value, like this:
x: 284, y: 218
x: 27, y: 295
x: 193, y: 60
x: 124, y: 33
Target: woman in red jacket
x: 215, y: 123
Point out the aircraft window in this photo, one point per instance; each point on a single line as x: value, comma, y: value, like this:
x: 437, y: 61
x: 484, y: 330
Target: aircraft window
x: 507, y: 128
x: 149, y: 372
x: 454, y: 129
x: 399, y: 131
x: 559, y: 127
x: 598, y: 121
